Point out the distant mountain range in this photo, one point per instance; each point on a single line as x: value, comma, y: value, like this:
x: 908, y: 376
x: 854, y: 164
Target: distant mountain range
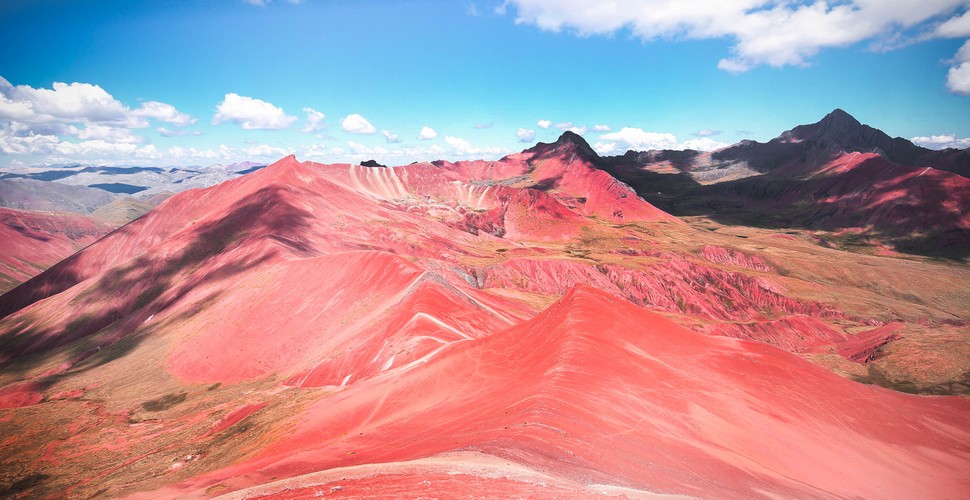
x: 835, y: 175
x: 85, y: 188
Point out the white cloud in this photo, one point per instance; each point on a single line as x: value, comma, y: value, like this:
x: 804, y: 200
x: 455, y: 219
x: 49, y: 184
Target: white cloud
x: 942, y: 141
x: 543, y: 123
x: 484, y: 125
x: 356, y: 124
x: 180, y: 153
x: 957, y: 27
x: 427, y: 133
x: 572, y: 128
x: 163, y: 112
x: 33, y: 144
x: 734, y: 66
x: 107, y: 133
x: 391, y: 137
x: 601, y: 128
x: 706, y: 133
x: 772, y: 32
x: 35, y: 121
x: 525, y: 135
x: 164, y: 132
x: 607, y: 149
x: 958, y: 77
x: 265, y: 151
x: 314, y: 120
x: 357, y: 148
x: 355, y: 152
x: 251, y: 114
x: 640, y: 140
x: 59, y: 109
x: 703, y: 144
x: 55, y: 150
x: 461, y: 147
x: 66, y: 103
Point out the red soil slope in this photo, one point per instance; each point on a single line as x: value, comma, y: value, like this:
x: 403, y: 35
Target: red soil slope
x: 635, y: 402
x: 34, y: 241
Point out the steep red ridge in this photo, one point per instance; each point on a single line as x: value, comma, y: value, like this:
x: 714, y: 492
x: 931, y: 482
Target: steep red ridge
x: 626, y: 403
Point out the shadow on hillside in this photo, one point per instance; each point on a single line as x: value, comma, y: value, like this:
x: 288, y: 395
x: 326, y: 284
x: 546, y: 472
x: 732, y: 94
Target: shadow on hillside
x: 955, y: 387
x: 119, y: 303
x: 910, y: 216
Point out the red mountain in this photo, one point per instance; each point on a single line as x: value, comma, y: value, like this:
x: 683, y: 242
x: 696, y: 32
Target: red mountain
x: 34, y: 241
x: 528, y: 325
x: 834, y: 175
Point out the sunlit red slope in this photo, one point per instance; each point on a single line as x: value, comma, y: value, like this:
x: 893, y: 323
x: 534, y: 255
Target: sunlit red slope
x: 634, y: 401
x: 33, y: 241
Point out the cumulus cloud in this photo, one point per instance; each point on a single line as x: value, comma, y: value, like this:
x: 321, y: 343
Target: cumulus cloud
x: 958, y: 78
x: 63, y: 102
x: 265, y: 151
x: 355, y: 152
x: 771, y: 32
x: 461, y: 147
x: 942, y: 141
x: 638, y: 139
x: 525, y: 135
x: 54, y: 149
x: 601, y: 128
x: 251, y: 114
x: 703, y: 144
x: 356, y: 124
x: 36, y: 122
x: 484, y: 125
x: 59, y: 109
x: 360, y: 149
x: 427, y: 133
x: 572, y: 128
x: 106, y: 133
x: 391, y: 138
x: 314, y: 120
x: 163, y: 112
x: 956, y: 27
x: 544, y: 123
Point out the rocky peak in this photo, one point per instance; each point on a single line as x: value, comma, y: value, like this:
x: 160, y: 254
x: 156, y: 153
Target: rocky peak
x: 569, y: 143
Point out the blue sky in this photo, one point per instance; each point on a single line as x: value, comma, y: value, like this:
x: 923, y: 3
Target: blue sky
x: 212, y: 81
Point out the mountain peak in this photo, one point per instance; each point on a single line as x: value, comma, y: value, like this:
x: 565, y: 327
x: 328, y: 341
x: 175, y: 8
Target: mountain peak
x: 568, y: 142
x: 841, y: 131
x: 572, y: 137
x: 838, y: 123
